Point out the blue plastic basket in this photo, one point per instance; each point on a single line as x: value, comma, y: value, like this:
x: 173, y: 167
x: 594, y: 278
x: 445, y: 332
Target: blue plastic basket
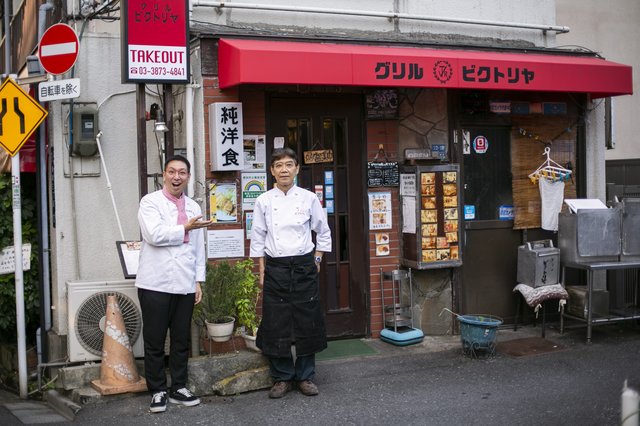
x: 478, y: 332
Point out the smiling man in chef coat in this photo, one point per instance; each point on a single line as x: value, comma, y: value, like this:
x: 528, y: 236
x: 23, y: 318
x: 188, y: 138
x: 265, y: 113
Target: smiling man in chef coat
x: 281, y: 240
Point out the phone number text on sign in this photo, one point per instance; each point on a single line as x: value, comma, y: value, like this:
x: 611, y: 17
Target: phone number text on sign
x: 163, y: 71
x: 167, y: 62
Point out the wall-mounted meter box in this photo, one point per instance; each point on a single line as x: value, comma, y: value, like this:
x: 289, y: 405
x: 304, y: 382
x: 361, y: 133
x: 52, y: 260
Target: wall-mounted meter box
x: 85, y: 129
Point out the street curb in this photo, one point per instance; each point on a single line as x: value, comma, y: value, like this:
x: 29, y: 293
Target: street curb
x: 62, y: 404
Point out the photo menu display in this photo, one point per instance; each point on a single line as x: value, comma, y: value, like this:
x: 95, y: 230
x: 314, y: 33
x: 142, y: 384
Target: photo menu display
x: 439, y: 217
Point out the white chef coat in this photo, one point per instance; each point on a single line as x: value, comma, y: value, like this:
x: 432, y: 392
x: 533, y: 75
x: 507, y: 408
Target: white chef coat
x: 282, y: 224
x: 167, y: 263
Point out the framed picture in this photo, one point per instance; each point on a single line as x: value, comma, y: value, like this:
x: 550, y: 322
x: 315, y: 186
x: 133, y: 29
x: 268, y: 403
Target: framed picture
x: 129, y: 253
x: 223, y: 202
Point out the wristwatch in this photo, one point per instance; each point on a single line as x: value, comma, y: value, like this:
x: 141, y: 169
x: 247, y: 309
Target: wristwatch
x: 318, y: 259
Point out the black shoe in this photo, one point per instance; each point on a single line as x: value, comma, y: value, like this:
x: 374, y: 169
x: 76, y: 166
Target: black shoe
x: 183, y: 396
x: 158, y: 402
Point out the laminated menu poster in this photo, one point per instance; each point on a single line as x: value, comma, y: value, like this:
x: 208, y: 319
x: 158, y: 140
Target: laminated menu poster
x: 439, y: 217
x: 379, y: 210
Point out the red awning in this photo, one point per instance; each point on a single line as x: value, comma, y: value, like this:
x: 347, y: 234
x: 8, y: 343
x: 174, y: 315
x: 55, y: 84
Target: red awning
x: 279, y: 62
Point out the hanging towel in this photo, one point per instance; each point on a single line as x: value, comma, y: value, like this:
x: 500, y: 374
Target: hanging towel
x: 551, y: 195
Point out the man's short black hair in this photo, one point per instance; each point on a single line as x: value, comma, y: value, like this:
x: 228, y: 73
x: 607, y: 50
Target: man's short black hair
x: 178, y: 158
x: 280, y: 153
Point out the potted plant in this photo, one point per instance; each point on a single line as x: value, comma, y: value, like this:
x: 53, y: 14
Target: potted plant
x: 217, y: 308
x: 247, y: 293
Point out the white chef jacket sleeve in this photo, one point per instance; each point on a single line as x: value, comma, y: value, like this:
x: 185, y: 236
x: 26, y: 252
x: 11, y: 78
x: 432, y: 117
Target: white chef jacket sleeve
x: 258, y: 230
x: 154, y: 229
x: 320, y: 226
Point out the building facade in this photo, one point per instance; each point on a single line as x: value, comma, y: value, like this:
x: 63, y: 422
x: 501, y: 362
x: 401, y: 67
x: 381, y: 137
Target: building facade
x: 417, y: 124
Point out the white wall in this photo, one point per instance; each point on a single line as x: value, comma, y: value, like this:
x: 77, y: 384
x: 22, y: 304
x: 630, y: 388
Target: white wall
x: 84, y: 226
x: 611, y: 29
x: 541, y: 12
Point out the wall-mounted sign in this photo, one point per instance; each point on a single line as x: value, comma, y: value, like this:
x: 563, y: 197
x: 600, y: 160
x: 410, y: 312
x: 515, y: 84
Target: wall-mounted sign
x: 480, y: 144
x: 253, y: 184
x: 8, y: 261
x: 417, y: 154
x: 408, y: 184
x: 500, y: 107
x: 248, y: 224
x: 225, y: 243
x: 319, y: 156
x: 380, y: 210
x: 223, y: 204
x: 225, y: 136
x: 439, y: 150
x: 469, y: 212
x: 382, y: 104
x: 383, y: 174
x: 155, y: 41
x: 506, y: 213
x: 255, y: 152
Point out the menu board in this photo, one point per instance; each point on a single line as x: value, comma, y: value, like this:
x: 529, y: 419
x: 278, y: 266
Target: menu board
x: 437, y: 237
x: 383, y: 174
x: 439, y: 216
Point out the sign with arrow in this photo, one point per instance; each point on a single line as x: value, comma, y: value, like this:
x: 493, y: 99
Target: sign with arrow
x: 20, y: 115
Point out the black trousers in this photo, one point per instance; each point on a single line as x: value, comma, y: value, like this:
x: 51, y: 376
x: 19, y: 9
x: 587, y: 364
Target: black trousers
x: 162, y: 312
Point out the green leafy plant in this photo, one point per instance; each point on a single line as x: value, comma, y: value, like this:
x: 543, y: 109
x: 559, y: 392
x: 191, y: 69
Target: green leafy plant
x: 247, y: 295
x: 221, y: 291
x: 8, y: 331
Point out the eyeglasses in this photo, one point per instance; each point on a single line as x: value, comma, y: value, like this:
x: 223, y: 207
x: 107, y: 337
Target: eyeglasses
x: 180, y: 173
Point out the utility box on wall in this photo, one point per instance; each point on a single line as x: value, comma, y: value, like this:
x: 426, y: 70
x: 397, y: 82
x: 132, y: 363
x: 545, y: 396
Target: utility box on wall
x: 85, y: 129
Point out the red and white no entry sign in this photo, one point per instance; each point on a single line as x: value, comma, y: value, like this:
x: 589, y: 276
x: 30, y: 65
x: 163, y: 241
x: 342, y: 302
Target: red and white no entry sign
x: 58, y: 49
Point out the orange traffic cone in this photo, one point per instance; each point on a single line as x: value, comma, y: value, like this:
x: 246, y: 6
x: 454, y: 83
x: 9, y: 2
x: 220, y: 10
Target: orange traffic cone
x: 118, y: 372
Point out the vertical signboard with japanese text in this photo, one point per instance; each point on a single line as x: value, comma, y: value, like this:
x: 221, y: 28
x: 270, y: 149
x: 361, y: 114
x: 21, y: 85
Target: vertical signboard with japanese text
x: 226, y: 137
x: 155, y: 37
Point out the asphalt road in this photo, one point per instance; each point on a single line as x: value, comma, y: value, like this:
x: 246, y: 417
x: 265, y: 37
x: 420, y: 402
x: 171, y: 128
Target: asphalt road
x: 580, y: 385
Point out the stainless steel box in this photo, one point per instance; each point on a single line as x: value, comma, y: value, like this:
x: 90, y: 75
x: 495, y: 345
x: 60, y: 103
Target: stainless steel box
x: 538, y: 263
x: 578, y: 302
x: 630, y: 230
x: 590, y: 235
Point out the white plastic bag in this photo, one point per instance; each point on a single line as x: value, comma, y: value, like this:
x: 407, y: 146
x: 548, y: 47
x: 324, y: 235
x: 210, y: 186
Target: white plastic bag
x: 551, y: 195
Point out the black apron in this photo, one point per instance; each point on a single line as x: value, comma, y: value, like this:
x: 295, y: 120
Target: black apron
x: 291, y: 310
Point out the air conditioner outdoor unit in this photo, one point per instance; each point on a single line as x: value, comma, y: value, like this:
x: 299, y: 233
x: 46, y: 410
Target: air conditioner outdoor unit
x: 86, y: 307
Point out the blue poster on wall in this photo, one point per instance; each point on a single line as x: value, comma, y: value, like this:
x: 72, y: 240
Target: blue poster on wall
x: 328, y: 192
x: 328, y: 177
